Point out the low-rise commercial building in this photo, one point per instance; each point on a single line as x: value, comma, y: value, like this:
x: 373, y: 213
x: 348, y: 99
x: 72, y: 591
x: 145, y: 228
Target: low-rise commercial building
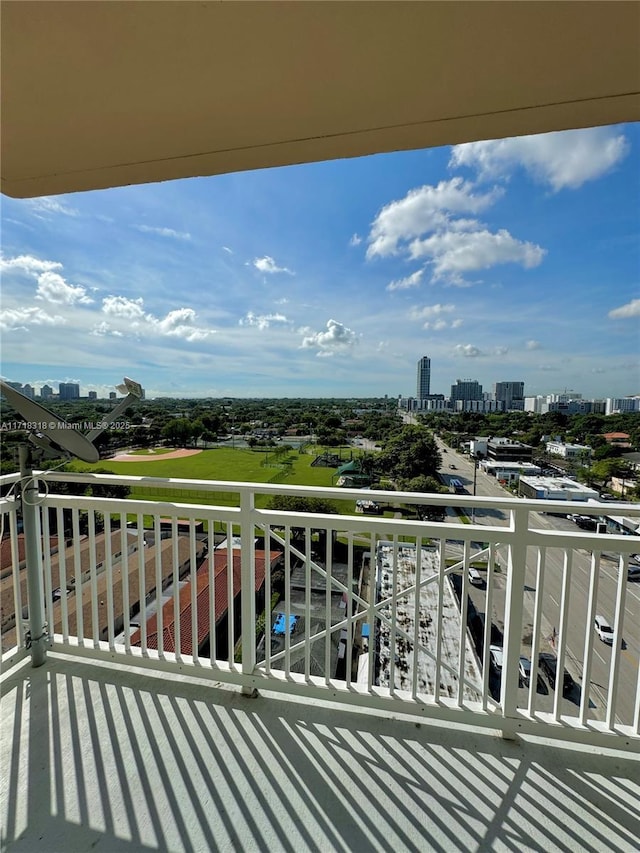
x: 509, y: 472
x: 556, y: 489
x: 506, y: 450
x: 569, y: 451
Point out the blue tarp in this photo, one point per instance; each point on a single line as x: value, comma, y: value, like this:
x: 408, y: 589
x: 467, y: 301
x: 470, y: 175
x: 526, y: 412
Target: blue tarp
x: 365, y: 630
x: 279, y: 625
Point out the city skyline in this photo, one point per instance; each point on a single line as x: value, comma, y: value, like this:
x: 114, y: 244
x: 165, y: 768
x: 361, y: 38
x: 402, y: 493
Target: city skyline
x: 508, y: 260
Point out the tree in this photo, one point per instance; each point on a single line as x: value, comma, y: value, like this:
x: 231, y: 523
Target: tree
x: 292, y: 503
x: 425, y: 485
x: 411, y: 453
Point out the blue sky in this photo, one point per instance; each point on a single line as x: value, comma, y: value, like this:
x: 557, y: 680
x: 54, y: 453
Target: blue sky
x: 515, y: 259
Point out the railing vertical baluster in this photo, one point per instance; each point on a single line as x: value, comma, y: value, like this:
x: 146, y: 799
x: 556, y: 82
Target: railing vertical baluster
x: 248, y: 584
x: 194, y: 590
x: 267, y: 599
x: 416, y: 619
x: 17, y: 584
x: 124, y: 581
x: 327, y: 625
x: 537, y: 629
x: 614, y: 675
x: 636, y: 710
x: 373, y: 596
x: 211, y: 547
x: 231, y: 571
x: 307, y: 602
x: 62, y: 574
x: 440, y: 618
x: 77, y: 573
x: 464, y: 609
x: 594, y: 577
x: 109, y: 578
x: 142, y: 581
x: 159, y: 583
x: 287, y: 598
x: 514, y: 605
x: 46, y: 552
x: 394, y: 616
x: 349, y: 611
x: 488, y: 616
x: 562, y: 633
x: 95, y: 613
x: 175, y: 560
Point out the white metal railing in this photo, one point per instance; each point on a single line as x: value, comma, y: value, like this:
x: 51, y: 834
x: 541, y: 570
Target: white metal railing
x: 371, y: 611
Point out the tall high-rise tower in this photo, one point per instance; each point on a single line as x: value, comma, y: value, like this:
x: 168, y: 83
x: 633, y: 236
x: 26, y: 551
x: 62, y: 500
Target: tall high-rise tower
x: 424, y: 378
x: 510, y: 393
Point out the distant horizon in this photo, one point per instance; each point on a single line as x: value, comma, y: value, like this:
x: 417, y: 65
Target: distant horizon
x: 506, y: 260
x: 167, y: 396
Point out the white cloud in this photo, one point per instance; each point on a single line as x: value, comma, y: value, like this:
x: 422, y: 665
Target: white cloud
x: 179, y: 324
x: 120, y: 306
x: 20, y: 318
x: 130, y: 315
x: 456, y: 323
x: 29, y: 264
x: 631, y: 309
x: 564, y: 159
x: 53, y: 288
x: 103, y: 329
x: 548, y: 368
x: 500, y: 350
x: 467, y: 351
x: 412, y: 280
x: 431, y: 311
x: 533, y: 345
x: 421, y: 210
x: 228, y: 250
x: 267, y: 264
x: 262, y: 321
x: 453, y: 253
x: 336, y: 339
x: 164, y: 232
x: 355, y: 240
x: 45, y: 205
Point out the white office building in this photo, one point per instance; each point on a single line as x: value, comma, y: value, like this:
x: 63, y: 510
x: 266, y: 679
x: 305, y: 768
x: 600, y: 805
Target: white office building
x: 569, y: 451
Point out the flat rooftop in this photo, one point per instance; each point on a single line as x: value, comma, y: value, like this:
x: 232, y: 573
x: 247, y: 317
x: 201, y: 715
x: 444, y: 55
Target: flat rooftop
x: 430, y: 623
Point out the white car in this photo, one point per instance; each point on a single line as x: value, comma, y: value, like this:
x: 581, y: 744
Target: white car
x: 603, y: 629
x: 496, y: 657
x: 475, y: 577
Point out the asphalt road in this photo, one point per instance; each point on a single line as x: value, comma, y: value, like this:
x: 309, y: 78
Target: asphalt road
x: 578, y: 601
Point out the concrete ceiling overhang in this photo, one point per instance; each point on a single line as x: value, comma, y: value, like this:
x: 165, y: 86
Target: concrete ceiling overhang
x: 102, y: 94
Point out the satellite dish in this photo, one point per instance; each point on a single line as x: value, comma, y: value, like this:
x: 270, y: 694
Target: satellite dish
x: 48, y: 430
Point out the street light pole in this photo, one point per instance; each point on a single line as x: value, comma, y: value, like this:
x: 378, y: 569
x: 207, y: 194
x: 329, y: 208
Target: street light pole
x: 475, y: 475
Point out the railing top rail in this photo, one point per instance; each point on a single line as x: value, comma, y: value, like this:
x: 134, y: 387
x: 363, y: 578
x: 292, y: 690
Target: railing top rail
x: 7, y: 479
x: 339, y: 493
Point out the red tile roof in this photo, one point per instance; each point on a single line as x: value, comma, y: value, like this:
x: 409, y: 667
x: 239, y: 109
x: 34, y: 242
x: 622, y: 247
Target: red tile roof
x: 202, y: 603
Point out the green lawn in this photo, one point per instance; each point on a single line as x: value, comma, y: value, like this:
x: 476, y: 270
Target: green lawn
x: 224, y: 463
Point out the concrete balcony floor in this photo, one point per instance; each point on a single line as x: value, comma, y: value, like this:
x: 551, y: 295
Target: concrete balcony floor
x: 104, y: 758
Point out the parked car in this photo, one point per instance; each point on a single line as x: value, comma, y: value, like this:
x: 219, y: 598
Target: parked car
x: 495, y: 656
x: 633, y: 573
x: 548, y: 664
x: 476, y: 578
x: 453, y: 467
x: 586, y: 523
x: 524, y: 669
x: 603, y: 629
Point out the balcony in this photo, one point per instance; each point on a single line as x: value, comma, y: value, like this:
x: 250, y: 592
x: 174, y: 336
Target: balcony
x: 369, y: 641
